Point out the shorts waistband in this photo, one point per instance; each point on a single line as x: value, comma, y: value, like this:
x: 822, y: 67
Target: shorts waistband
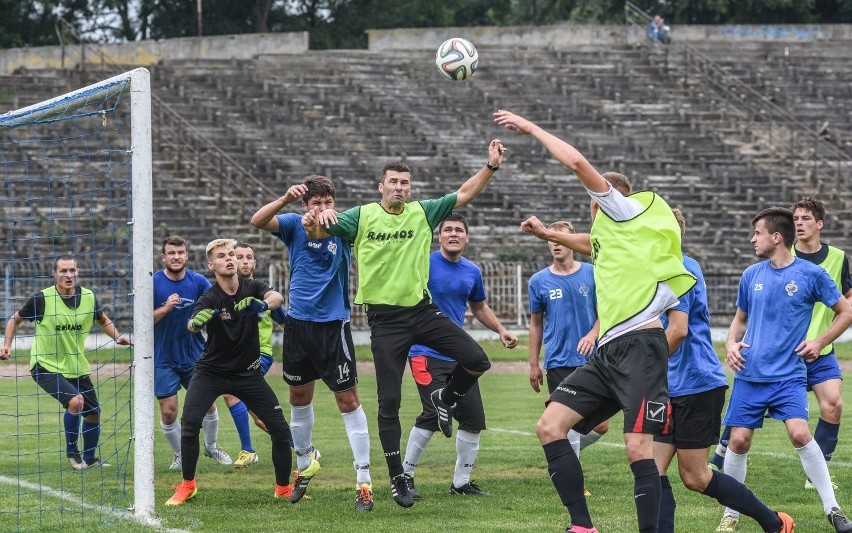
x: 385, y: 308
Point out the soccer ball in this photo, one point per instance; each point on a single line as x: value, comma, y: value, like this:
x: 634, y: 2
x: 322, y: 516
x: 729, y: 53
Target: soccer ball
x: 457, y: 59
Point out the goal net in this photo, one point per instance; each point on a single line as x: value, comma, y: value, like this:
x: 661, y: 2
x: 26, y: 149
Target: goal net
x: 76, y: 173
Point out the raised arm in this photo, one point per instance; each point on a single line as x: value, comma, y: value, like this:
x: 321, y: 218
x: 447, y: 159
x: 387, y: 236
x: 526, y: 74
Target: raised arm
x: 487, y: 318
x: 316, y: 222
x: 9, y: 335
x: 265, y: 217
x: 474, y: 185
x: 579, y: 242
x: 561, y: 150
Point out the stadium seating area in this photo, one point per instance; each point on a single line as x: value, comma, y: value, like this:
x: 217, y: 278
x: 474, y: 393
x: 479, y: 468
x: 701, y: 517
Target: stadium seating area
x: 646, y: 112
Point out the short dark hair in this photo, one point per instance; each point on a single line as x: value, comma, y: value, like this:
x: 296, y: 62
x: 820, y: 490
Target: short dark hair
x: 174, y: 240
x: 813, y: 205
x: 454, y: 217
x: 317, y: 186
x: 396, y: 166
x: 244, y: 245
x: 778, y: 220
x: 63, y: 258
x: 618, y: 182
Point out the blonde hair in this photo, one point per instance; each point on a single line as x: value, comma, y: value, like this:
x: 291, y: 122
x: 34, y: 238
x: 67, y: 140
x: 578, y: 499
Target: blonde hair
x: 216, y: 243
x: 681, y: 221
x: 562, y: 225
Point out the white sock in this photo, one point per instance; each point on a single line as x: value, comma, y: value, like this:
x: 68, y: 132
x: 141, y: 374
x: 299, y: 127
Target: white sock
x: 589, y: 439
x: 467, y: 446
x: 813, y: 461
x: 736, y: 466
x: 355, y: 423
x: 721, y: 449
x: 574, y: 441
x: 172, y: 434
x: 302, y: 429
x: 418, y: 440
x: 210, y: 425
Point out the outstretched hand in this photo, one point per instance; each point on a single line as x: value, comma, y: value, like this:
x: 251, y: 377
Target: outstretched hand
x: 202, y: 318
x: 251, y: 306
x: 534, y: 226
x: 513, y: 122
x: 295, y: 192
x: 495, y: 152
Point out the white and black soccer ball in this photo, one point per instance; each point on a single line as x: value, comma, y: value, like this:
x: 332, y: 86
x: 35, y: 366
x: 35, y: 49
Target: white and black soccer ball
x: 457, y: 59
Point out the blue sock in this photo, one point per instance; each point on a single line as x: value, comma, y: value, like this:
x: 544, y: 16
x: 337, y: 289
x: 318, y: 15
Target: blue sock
x: 826, y: 437
x: 91, y: 435
x: 667, y: 507
x: 239, y: 412
x: 72, y: 432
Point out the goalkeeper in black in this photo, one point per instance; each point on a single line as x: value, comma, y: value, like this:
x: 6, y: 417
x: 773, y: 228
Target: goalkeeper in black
x: 230, y: 364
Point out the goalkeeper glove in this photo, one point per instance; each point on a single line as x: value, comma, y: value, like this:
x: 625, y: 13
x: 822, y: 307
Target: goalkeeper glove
x: 251, y: 306
x: 202, y: 318
x: 278, y: 315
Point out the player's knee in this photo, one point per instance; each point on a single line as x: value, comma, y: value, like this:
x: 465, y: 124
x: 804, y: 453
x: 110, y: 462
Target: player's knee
x: 479, y: 367
x: 279, y: 431
x: 347, y: 401
x: 831, y: 409
x: 75, y: 405
x: 548, y: 430
x: 800, y: 437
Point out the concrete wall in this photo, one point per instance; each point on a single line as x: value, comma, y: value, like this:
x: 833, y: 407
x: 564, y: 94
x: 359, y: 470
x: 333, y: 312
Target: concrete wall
x: 565, y: 36
x: 149, y: 52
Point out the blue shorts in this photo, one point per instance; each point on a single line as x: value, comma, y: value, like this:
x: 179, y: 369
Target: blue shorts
x: 64, y: 389
x: 168, y: 381
x: 781, y: 400
x: 823, y: 369
x: 265, y: 363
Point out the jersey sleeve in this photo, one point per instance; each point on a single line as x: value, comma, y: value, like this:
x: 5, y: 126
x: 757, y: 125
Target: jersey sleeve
x: 826, y: 289
x: 685, y: 302
x: 205, y: 301
x: 617, y: 206
x: 743, y: 291
x: 285, y: 229
x: 845, y: 276
x: 259, y: 289
x: 99, y: 312
x: 32, y: 310
x: 536, y: 305
x: 347, y: 224
x: 439, y: 209
x: 477, y: 292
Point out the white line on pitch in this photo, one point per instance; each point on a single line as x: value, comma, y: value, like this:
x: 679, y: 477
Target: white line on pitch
x: 74, y: 498
x: 833, y: 464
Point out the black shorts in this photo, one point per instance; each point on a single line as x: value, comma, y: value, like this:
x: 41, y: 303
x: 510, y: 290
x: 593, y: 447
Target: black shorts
x: 695, y: 420
x: 432, y: 374
x: 627, y: 374
x: 63, y: 389
x: 319, y: 350
x: 556, y: 375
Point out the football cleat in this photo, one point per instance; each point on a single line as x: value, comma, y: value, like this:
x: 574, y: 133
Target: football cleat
x: 409, y: 482
x: 245, y: 459
x: 399, y: 491
x: 787, y: 523
x: 183, y: 493
x: 364, y: 498
x: 283, y: 491
x: 839, y: 521
x: 468, y: 489
x: 728, y: 524
x: 445, y: 413
x: 177, y: 463
x: 300, y: 482
x: 76, y: 461
x: 217, y: 454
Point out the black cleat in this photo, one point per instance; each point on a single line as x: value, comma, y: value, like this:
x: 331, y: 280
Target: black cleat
x: 409, y: 482
x: 399, y: 491
x: 839, y: 521
x: 445, y: 413
x: 468, y: 489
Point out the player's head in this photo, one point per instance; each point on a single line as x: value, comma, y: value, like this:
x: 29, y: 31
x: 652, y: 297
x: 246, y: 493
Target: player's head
x: 561, y: 253
x: 808, y: 217
x: 619, y: 182
x: 681, y: 221
x: 453, y: 236
x: 395, y: 184
x: 175, y: 253
x: 65, y: 272
x: 246, y: 261
x: 773, y: 228
x: 320, y: 193
x: 221, y: 258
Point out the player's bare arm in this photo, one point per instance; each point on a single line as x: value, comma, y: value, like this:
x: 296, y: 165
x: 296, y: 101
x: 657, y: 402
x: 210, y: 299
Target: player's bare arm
x: 677, y: 329
x: 476, y: 183
x: 579, y: 242
x: 562, y: 151
x: 483, y: 312
x: 317, y: 222
x: 536, y: 335
x: 265, y: 218
x: 273, y: 299
x: 810, y: 349
x: 586, y: 346
x: 108, y: 327
x: 9, y: 335
x: 735, y: 343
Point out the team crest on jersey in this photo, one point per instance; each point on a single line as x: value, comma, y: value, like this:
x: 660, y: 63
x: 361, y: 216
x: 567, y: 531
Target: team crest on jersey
x: 791, y: 288
x: 584, y: 290
x: 332, y: 247
x: 224, y: 314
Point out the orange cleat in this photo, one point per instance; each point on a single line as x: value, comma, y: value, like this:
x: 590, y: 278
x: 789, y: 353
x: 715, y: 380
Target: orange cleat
x: 183, y: 492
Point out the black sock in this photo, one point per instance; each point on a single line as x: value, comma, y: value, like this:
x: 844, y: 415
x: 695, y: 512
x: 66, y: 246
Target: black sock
x: 667, y: 506
x: 460, y: 381
x: 567, y: 476
x: 389, y: 435
x: 731, y: 493
x: 646, y: 494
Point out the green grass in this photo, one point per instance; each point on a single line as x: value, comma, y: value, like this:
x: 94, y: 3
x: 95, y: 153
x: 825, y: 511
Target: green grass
x: 510, y: 466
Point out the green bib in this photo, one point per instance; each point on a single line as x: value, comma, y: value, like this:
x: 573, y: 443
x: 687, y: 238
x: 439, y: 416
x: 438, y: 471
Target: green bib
x: 60, y: 334
x: 633, y: 256
x: 392, y: 253
x: 823, y: 316
x: 264, y: 329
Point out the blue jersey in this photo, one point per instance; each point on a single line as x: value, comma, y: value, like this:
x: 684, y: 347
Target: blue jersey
x: 319, y: 273
x: 568, y: 303
x: 451, y: 285
x: 174, y: 345
x: 779, y: 303
x: 694, y: 367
